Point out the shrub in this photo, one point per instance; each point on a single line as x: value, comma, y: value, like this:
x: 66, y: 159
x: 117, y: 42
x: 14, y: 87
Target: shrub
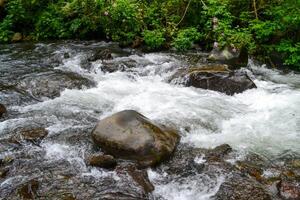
x: 185, y: 38
x: 154, y: 39
x: 122, y: 21
x: 6, y: 30
x: 51, y: 25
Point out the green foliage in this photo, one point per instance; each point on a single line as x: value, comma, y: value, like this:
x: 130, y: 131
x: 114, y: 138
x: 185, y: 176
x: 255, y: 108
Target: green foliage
x: 291, y: 51
x: 51, y: 25
x: 266, y: 27
x: 122, y: 22
x: 186, y: 38
x: 154, y: 39
x: 5, y: 30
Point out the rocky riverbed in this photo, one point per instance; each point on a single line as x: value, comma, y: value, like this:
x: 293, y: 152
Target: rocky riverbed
x: 237, y: 141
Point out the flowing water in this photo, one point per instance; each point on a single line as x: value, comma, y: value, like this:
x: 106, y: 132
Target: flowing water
x: 265, y: 120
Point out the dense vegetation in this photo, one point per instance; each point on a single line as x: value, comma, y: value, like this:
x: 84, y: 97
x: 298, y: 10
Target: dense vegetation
x: 269, y: 29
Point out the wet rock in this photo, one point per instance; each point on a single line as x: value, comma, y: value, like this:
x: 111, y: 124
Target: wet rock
x: 138, y: 175
x: 2, y: 110
x: 242, y: 188
x: 289, y: 189
x: 51, y: 84
x: 186, y: 158
x: 6, y: 160
x: 120, y: 65
x: 218, y: 153
x: 29, y: 189
x: 104, y: 161
x: 251, y: 169
x: 230, y: 56
x: 3, y: 172
x: 214, y: 77
x: 17, y: 37
x: 101, y: 55
x: 34, y: 135
x: 130, y: 135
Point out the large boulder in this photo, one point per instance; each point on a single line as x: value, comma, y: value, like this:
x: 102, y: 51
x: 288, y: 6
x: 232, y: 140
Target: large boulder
x: 130, y: 135
x: 214, y: 77
x: 232, y: 57
x: 2, y: 110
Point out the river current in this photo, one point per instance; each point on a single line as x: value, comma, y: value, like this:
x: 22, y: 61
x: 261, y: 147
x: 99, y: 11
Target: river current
x: 265, y: 120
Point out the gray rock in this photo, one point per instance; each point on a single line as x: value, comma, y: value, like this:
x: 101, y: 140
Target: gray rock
x: 51, y: 84
x: 132, y: 136
x: 214, y: 77
x: 233, y: 58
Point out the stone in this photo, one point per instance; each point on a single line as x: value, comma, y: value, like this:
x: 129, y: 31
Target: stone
x: 289, y: 189
x: 101, y: 55
x: 103, y: 161
x: 242, y: 188
x: 33, y: 135
x: 139, y: 176
x: 29, y: 189
x: 130, y: 135
x: 218, y: 153
x: 51, y: 84
x: 17, y: 37
x: 2, y: 110
x: 216, y: 77
x: 3, y: 172
x: 251, y: 169
x: 232, y: 57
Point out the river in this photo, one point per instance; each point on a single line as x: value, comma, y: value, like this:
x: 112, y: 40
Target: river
x: 265, y: 120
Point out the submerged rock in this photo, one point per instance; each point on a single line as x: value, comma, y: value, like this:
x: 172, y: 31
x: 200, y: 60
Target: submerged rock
x: 2, y: 110
x: 101, y: 55
x: 34, y: 135
x: 130, y: 135
x: 104, y: 161
x: 214, y: 77
x: 29, y: 189
x: 122, y: 64
x: 139, y: 176
x: 51, y: 84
